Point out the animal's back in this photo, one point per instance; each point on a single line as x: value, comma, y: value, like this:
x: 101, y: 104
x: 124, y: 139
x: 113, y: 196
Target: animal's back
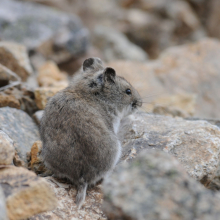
x: 71, y: 133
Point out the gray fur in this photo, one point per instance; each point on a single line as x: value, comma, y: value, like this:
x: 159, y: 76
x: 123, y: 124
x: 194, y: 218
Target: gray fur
x: 79, y: 126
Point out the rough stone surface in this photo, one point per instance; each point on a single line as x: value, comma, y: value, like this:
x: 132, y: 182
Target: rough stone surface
x: 196, y: 144
x: 53, y: 31
x: 3, y: 210
x: 15, y: 58
x: 115, y: 45
x: 49, y: 75
x: 26, y: 194
x: 43, y: 94
x: 7, y: 150
x: 67, y: 209
x: 20, y: 128
x: 155, y: 186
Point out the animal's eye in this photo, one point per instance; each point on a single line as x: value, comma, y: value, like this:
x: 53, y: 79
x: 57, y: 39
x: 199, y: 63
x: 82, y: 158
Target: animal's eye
x: 128, y: 91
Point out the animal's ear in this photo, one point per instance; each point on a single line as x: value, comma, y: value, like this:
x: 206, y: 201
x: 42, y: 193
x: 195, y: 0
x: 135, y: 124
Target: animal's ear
x: 92, y: 64
x: 109, y: 75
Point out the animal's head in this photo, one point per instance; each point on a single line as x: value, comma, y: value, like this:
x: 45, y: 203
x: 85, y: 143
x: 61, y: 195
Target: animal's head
x: 103, y: 84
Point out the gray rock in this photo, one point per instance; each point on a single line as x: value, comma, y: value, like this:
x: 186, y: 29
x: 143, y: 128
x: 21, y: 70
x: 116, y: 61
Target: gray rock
x: 155, y: 186
x: 38, y: 26
x: 115, y: 45
x: 196, y: 144
x: 3, y: 211
x: 20, y: 128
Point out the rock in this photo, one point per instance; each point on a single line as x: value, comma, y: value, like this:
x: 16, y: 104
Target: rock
x: 3, y: 210
x: 20, y: 128
x: 43, y: 94
x: 49, y: 75
x: 18, y: 96
x: 7, y: 150
x: 66, y: 208
x: 196, y: 144
x: 36, y: 163
x: 7, y: 76
x: 37, y: 116
x: 26, y: 194
x: 56, y: 35
x: 14, y: 56
x: 193, y: 68
x: 9, y: 100
x: 181, y: 105
x: 155, y: 186
x: 116, y: 46
x: 211, y: 121
x: 161, y: 24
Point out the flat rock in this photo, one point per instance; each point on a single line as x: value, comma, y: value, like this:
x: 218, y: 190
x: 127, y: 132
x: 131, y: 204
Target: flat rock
x: 26, y: 194
x: 67, y: 209
x: 56, y: 35
x: 155, y: 186
x: 14, y: 56
x: 196, y: 144
x: 20, y: 128
x: 7, y: 150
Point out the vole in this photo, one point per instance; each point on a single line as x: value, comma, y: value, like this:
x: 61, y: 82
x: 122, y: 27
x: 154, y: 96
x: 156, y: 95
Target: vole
x: 80, y: 124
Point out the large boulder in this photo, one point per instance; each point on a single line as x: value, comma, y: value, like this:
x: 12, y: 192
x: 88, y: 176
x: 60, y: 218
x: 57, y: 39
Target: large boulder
x: 155, y: 186
x: 53, y: 31
x: 196, y: 144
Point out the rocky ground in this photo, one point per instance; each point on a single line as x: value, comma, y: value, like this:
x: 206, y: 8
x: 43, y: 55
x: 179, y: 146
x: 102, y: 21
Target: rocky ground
x: 169, y: 50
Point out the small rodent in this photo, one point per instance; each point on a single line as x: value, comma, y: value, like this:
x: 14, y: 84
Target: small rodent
x: 80, y: 124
